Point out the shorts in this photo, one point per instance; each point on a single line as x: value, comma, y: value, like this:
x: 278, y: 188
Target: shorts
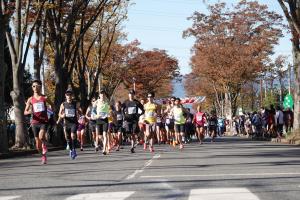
x: 160, y: 124
x: 132, y: 127
x: 36, y: 128
x: 199, y: 126
x: 212, y: 128
x: 102, y: 126
x: 151, y: 127
x: 80, y: 127
x: 118, y: 129
x: 92, y: 126
x: 179, y: 128
x: 70, y: 128
x: 170, y: 125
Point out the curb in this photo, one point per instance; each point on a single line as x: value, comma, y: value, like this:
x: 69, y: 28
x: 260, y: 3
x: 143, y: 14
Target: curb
x: 22, y: 153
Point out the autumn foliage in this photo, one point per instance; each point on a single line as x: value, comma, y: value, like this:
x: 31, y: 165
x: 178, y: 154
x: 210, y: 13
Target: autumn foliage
x: 232, y: 45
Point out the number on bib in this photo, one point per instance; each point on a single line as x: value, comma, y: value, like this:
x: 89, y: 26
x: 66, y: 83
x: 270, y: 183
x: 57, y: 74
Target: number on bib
x: 39, y: 107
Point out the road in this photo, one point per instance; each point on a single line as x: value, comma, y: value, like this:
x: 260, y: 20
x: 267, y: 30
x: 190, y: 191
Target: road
x: 231, y: 168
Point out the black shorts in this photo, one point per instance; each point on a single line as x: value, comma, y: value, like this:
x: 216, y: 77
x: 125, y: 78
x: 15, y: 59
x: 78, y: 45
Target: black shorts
x: 160, y: 124
x: 37, y: 127
x: 132, y: 127
x: 102, y: 126
x: 70, y: 128
x: 118, y: 129
x: 179, y: 128
x: 212, y: 128
x: 92, y: 126
x: 170, y: 125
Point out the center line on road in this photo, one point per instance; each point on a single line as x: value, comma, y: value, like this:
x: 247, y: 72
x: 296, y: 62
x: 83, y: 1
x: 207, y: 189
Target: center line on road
x: 147, y: 164
x: 216, y: 175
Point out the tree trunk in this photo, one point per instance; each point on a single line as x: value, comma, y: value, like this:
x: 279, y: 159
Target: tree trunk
x: 228, y: 106
x: 36, y: 52
x: 19, y: 106
x: 3, y: 69
x: 296, y: 60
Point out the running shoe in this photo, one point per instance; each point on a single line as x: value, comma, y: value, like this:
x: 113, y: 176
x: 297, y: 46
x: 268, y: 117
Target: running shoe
x: 74, y: 154
x: 145, y: 146
x: 81, y: 148
x: 44, y: 147
x: 104, y: 153
x: 151, y: 149
x: 132, y: 150
x: 44, y: 159
x: 118, y: 148
x: 71, y: 154
x: 68, y: 147
x: 181, y: 146
x: 174, y: 143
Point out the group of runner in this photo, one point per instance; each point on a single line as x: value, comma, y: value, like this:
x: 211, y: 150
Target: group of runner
x: 143, y: 122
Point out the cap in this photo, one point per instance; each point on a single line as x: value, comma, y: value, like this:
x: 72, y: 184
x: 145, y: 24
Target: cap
x: 69, y: 91
x: 150, y: 94
x: 131, y: 92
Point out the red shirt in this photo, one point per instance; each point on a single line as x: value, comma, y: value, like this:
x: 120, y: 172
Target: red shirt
x: 39, y: 111
x: 200, y: 118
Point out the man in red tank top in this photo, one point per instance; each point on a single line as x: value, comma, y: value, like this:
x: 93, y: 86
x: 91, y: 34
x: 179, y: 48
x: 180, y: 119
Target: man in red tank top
x: 37, y: 108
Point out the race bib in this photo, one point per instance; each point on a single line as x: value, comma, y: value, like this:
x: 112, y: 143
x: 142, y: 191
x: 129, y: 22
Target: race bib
x: 119, y: 117
x: 199, y: 118
x: 168, y: 121
x: 150, y: 114
x: 39, y: 107
x: 177, y: 117
x: 131, y: 110
x: 158, y: 120
x: 70, y: 112
x: 103, y: 115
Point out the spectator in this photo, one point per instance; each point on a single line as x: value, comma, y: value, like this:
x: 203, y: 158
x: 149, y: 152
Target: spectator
x: 279, y: 121
x: 288, y: 120
x: 264, y: 118
x: 257, y: 124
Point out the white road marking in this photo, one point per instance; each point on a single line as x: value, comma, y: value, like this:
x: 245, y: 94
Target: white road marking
x: 9, y: 197
x: 102, y: 196
x: 224, y: 175
x: 174, y: 191
x: 147, y: 164
x: 222, y: 194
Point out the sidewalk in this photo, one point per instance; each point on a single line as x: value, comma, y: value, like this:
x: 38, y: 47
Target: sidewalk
x: 25, y: 152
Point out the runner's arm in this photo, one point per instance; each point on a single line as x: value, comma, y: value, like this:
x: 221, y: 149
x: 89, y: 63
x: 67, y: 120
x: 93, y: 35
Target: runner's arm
x: 87, y: 113
x: 28, y: 110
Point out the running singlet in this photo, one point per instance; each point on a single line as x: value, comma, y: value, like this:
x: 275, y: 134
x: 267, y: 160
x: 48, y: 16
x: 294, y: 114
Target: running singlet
x: 93, y: 112
x: 81, y: 120
x: 150, y: 115
x: 220, y: 122
x: 39, y: 111
x: 102, y: 109
x: 119, y: 117
x: 70, y: 112
x: 178, y: 115
x: 200, y: 118
x: 131, y: 108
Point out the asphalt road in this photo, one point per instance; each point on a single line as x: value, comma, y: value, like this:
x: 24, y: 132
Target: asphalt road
x: 230, y: 168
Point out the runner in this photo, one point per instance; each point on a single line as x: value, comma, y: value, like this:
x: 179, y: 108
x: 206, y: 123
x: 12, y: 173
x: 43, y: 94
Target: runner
x: 118, y: 124
x: 102, y: 121
x: 170, y: 122
x: 179, y: 113
x: 150, y: 120
x: 212, y: 126
x: 130, y: 110
x: 142, y: 124
x: 69, y: 112
x: 37, y: 107
x: 199, y: 121
x: 81, y: 129
x: 91, y: 113
x: 159, y: 126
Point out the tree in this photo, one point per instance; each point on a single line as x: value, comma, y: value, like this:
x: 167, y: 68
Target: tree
x: 232, y: 46
x: 153, y: 71
x: 16, y: 36
x: 291, y: 9
x: 3, y: 69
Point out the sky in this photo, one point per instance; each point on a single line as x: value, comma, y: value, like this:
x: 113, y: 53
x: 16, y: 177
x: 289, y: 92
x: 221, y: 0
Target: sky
x: 160, y: 23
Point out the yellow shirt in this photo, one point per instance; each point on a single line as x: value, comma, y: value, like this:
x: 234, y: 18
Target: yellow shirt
x: 150, y: 112
x: 178, y: 115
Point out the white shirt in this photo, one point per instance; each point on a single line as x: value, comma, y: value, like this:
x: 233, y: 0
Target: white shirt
x: 279, y: 117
